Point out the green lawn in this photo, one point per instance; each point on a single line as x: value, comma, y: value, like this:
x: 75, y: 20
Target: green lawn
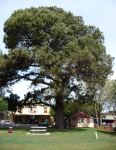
x: 78, y: 139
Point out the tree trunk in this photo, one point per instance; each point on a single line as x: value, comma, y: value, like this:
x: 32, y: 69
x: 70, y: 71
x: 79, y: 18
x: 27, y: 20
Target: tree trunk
x: 96, y: 112
x: 59, y: 117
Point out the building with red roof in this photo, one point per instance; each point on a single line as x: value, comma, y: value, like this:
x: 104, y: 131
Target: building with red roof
x: 81, y: 119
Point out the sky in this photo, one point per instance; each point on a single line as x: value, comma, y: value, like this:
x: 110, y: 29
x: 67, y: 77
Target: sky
x: 100, y: 13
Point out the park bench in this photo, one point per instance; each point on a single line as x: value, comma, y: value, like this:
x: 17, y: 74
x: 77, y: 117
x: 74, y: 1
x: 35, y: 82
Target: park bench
x: 38, y: 129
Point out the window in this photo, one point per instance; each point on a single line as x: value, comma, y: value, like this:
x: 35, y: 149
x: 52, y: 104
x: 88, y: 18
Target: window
x: 81, y: 120
x: 45, y: 109
x: 33, y: 110
x: 88, y: 120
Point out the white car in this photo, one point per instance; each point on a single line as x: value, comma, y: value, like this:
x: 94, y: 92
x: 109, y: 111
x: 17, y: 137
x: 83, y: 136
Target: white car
x: 7, y: 123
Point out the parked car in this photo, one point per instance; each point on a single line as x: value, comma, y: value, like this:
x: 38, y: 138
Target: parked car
x: 7, y: 123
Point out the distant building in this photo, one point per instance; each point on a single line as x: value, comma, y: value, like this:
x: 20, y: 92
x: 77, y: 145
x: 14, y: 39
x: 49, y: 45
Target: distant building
x: 39, y: 114
x: 108, y: 118
x: 81, y: 119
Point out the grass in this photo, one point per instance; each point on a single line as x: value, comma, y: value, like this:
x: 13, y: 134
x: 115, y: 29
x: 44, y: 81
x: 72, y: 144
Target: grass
x: 75, y: 139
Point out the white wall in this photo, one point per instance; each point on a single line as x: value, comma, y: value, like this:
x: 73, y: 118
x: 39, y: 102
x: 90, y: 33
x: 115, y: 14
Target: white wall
x: 36, y: 110
x: 86, y: 124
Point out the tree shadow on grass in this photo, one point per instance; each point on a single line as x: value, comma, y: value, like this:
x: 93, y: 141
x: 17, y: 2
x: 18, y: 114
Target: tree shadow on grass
x: 68, y: 130
x: 111, y: 133
x: 15, y: 129
x: 52, y: 130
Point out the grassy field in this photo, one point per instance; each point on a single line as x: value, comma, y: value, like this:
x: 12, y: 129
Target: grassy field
x: 76, y: 139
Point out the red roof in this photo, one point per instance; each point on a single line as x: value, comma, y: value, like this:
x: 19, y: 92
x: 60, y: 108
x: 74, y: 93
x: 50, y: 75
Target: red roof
x: 81, y: 115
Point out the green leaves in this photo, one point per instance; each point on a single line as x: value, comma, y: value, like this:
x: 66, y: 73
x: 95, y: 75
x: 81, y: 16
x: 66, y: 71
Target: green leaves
x: 108, y: 96
x: 56, y: 41
x: 3, y: 104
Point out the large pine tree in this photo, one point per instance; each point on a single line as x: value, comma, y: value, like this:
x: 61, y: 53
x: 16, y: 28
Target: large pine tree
x: 53, y: 48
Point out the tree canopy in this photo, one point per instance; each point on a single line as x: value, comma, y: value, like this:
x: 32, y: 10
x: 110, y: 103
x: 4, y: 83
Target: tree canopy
x: 108, y: 96
x: 53, y: 49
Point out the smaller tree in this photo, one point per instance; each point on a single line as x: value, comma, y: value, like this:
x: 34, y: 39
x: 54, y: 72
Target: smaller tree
x: 3, y: 104
x: 114, y: 96
x: 13, y: 102
x: 105, y: 97
x: 109, y: 95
